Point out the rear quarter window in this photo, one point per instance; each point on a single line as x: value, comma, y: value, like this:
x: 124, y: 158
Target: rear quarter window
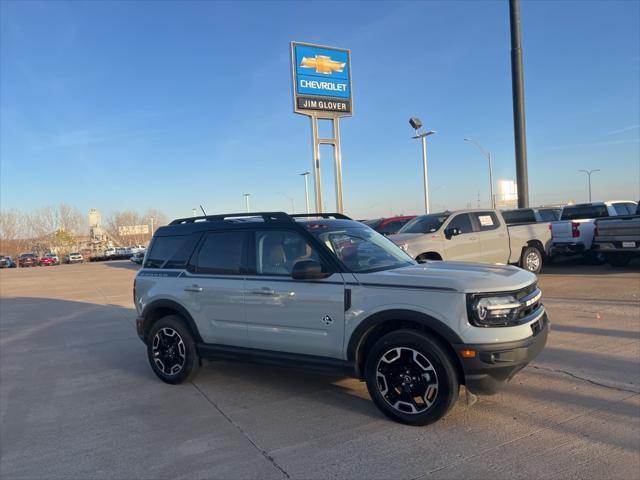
x: 519, y: 216
x: 171, y: 252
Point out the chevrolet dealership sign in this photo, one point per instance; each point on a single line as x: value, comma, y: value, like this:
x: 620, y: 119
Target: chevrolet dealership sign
x: 321, y: 80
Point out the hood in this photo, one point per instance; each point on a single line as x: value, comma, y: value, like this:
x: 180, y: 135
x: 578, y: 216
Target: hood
x: 456, y: 276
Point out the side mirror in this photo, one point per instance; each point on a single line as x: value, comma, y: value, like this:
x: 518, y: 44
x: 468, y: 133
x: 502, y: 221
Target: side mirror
x: 451, y: 232
x: 308, y: 270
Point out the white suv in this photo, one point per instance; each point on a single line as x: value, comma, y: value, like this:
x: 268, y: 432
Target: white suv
x: 325, y: 291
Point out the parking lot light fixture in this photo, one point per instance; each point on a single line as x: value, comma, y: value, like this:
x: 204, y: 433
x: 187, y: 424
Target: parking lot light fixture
x: 487, y: 155
x: 589, y: 172
x: 246, y: 201
x: 306, y: 189
x: 416, y: 123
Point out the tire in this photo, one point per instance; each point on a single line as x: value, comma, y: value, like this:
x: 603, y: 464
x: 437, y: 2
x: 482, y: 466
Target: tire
x: 619, y: 259
x: 171, y: 347
x: 531, y: 260
x: 420, y: 403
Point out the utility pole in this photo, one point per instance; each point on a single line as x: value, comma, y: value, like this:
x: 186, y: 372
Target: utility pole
x: 306, y: 189
x: 519, y: 128
x: 246, y: 201
x: 589, y: 172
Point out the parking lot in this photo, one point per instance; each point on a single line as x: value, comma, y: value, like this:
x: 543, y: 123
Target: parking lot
x: 78, y: 398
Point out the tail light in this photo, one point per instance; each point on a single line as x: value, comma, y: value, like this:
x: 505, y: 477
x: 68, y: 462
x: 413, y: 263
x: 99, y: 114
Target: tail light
x: 575, y: 229
x: 134, y: 291
x: 595, y: 230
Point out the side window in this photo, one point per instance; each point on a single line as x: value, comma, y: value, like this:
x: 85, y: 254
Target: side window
x: 221, y: 253
x: 487, y: 221
x: 462, y: 222
x: 277, y: 251
x: 620, y: 208
x: 548, y: 215
x: 171, y: 252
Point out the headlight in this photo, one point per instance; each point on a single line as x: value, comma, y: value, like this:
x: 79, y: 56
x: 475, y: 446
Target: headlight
x: 495, y: 311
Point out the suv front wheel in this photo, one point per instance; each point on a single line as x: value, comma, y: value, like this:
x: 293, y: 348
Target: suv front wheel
x: 171, y: 350
x: 410, y: 378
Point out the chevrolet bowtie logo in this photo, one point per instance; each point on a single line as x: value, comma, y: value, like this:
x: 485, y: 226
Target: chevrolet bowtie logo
x: 322, y: 64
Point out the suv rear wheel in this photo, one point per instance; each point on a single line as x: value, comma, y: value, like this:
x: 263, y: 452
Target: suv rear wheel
x: 531, y: 260
x: 410, y: 378
x: 171, y: 350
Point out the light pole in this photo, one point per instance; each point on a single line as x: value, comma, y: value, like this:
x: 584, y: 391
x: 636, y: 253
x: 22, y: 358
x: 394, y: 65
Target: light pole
x: 417, y: 125
x: 589, y: 172
x: 246, y: 201
x: 306, y: 189
x: 293, y: 203
x: 487, y: 155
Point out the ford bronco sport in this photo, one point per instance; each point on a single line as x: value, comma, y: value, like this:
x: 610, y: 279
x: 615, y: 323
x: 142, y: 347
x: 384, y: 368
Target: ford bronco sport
x: 326, y: 291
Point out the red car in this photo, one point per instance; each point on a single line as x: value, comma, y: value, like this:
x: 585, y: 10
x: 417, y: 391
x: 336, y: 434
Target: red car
x: 46, y: 261
x: 28, y: 260
x: 389, y: 226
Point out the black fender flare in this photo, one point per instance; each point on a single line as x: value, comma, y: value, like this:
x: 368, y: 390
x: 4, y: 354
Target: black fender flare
x: 149, y: 310
x: 366, y: 326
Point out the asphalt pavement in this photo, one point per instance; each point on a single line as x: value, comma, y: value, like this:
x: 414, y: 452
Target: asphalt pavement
x: 79, y: 400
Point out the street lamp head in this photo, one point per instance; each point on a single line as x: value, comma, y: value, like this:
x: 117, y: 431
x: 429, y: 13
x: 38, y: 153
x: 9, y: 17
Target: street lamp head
x: 415, y: 123
x: 305, y: 173
x: 468, y: 140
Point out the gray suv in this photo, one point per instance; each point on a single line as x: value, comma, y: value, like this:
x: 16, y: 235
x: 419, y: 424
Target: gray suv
x: 328, y: 292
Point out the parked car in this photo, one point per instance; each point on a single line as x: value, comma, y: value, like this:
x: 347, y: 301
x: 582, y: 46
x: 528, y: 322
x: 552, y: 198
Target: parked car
x: 73, y: 257
x: 388, y: 226
x: 47, y: 261
x: 110, y: 252
x: 28, y: 260
x: 137, y: 249
x: 52, y: 256
x: 573, y: 233
x: 618, y: 238
x: 477, y: 236
x: 7, y: 262
x: 137, y: 258
x: 531, y: 215
x: 326, y: 291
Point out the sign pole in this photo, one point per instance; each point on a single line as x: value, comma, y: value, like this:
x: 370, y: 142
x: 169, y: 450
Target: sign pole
x: 337, y: 156
x: 317, y: 178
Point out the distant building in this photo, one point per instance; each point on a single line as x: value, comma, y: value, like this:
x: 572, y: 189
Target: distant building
x: 507, y: 195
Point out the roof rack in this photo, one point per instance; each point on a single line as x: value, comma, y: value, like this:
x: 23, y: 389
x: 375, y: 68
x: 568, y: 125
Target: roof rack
x: 337, y: 216
x: 266, y: 216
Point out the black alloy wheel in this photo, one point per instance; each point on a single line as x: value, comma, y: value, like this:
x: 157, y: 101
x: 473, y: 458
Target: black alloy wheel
x: 171, y: 350
x: 411, y: 378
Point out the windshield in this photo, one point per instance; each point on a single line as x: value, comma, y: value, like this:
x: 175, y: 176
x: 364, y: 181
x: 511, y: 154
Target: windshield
x: 425, y: 223
x: 361, y: 250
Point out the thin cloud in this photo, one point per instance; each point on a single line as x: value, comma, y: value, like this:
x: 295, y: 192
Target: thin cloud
x: 622, y: 130
x: 86, y: 137
x: 596, y: 144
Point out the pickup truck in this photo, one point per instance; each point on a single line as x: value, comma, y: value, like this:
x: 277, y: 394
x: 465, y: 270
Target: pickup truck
x: 476, y: 236
x: 618, y: 239
x: 573, y: 233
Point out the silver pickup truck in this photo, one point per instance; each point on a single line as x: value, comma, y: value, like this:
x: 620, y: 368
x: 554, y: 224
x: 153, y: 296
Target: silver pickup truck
x: 618, y: 239
x: 475, y: 235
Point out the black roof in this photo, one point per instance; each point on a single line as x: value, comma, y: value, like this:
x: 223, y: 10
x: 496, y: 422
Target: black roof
x: 188, y: 225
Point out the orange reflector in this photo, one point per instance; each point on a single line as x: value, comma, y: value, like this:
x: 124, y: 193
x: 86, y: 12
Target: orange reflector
x: 468, y: 353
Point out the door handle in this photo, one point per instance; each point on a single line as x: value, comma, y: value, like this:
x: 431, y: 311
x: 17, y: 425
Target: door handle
x: 193, y: 288
x: 263, y: 291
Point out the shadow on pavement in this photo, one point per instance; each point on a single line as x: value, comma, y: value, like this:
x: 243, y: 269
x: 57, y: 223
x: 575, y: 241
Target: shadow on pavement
x: 127, y: 264
x: 578, y: 265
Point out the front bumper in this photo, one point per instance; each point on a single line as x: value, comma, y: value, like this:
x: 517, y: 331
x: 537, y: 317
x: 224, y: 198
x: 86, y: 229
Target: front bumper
x: 495, y: 364
x: 567, y: 248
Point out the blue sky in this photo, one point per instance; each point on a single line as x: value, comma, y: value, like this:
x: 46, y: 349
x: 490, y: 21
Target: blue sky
x: 169, y: 105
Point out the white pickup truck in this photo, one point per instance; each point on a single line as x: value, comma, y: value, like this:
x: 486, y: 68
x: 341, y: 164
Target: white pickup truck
x: 475, y: 236
x: 573, y: 233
